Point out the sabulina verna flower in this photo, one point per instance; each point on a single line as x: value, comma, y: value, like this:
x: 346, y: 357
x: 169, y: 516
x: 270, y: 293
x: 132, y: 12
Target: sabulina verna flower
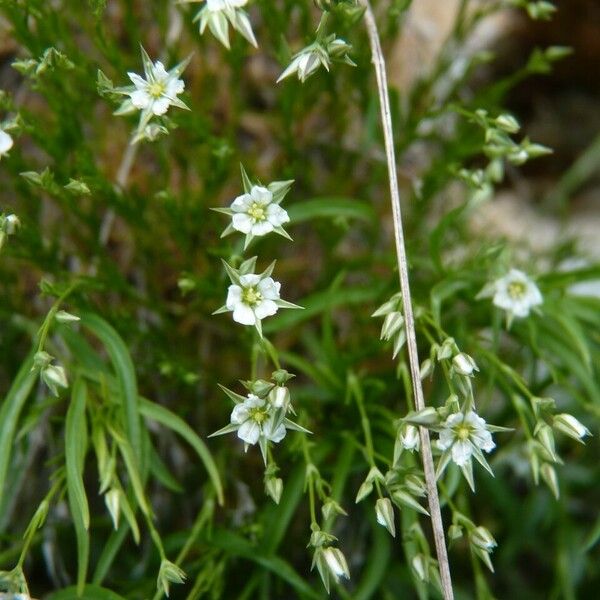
x: 252, y: 297
x: 516, y: 293
x: 217, y: 15
x: 8, y: 226
x: 52, y: 375
x: 154, y: 93
x: 257, y: 211
x: 409, y: 438
x: 256, y: 419
x: 463, y: 436
x: 6, y: 142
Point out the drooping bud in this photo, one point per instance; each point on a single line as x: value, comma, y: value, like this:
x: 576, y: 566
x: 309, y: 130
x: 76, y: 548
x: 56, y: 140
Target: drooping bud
x: 385, y: 515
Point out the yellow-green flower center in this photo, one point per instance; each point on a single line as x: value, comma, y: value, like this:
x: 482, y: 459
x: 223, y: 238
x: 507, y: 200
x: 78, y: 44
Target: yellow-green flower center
x: 257, y: 212
x: 463, y: 432
x: 258, y: 415
x: 251, y: 296
x: 156, y: 89
x: 516, y: 289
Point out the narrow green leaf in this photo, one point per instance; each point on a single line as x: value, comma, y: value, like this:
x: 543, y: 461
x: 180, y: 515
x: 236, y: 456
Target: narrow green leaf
x: 155, y: 412
x: 75, y: 450
x: 331, y: 207
x: 90, y: 592
x: 9, y: 416
x: 123, y: 366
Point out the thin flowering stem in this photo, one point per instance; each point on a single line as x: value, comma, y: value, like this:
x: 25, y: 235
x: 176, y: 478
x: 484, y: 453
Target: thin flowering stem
x: 428, y: 467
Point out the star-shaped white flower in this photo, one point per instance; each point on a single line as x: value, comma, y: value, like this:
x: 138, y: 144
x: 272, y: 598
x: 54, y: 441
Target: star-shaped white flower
x: 463, y: 434
x: 255, y: 418
x: 252, y: 297
x: 217, y: 15
x: 257, y: 211
x: 516, y: 293
x: 6, y: 142
x: 152, y: 94
x: 462, y: 437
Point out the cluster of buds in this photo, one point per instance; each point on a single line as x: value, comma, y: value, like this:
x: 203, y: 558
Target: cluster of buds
x: 393, y: 324
x: 321, y: 53
x: 8, y: 226
x: 261, y: 416
x: 330, y: 561
x: 169, y: 573
x: 542, y: 447
x: 53, y: 376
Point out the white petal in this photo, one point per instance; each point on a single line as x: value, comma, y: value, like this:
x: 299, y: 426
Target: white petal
x: 160, y: 106
x: 6, y: 142
x: 253, y: 401
x: 266, y: 308
x: 140, y: 99
x: 242, y: 222
x: 461, y: 452
x: 239, y: 414
x: 174, y: 87
x: 250, y: 280
x: 274, y: 435
x: 269, y: 288
x: 159, y: 72
x: 261, y: 194
x: 249, y: 432
x: 234, y: 296
x: 139, y: 82
x: 446, y: 439
x: 277, y: 215
x: 262, y: 228
x: 241, y: 203
x: 244, y: 315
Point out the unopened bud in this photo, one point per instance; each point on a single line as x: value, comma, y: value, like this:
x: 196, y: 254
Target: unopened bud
x: 570, y: 426
x: 385, y: 515
x: 464, y: 365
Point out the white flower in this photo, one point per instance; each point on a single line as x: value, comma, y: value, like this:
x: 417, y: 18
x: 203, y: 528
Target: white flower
x: 158, y: 91
x: 516, y: 293
x: 254, y: 299
x: 464, y: 435
x: 409, y: 438
x: 255, y: 418
x: 6, y: 142
x: 217, y: 15
x: 256, y: 213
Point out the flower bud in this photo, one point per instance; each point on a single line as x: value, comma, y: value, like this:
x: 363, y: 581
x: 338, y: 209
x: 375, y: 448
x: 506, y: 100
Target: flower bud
x: 482, y: 538
x: 42, y: 359
x: 409, y: 438
x: 336, y: 563
x: 455, y: 532
x: 281, y: 376
x: 426, y: 368
x: 169, y: 573
x: 425, y: 417
x: 392, y: 323
x: 274, y: 488
x: 546, y: 438
x: 508, y: 123
x: 332, y: 508
x: 415, y: 485
x: 280, y: 397
x: 363, y: 491
x: 112, y: 499
x: 54, y: 377
x: 549, y: 475
x: 11, y: 223
x: 419, y: 565
x: 338, y: 48
x: 570, y: 426
x: 385, y: 515
x: 62, y: 316
x: 464, y: 365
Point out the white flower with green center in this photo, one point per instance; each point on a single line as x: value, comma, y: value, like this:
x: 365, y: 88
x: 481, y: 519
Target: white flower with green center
x: 6, y: 142
x: 152, y: 94
x: 516, y: 293
x: 465, y: 435
x: 254, y: 299
x: 158, y: 91
x: 256, y: 213
x: 255, y: 418
x: 217, y: 15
